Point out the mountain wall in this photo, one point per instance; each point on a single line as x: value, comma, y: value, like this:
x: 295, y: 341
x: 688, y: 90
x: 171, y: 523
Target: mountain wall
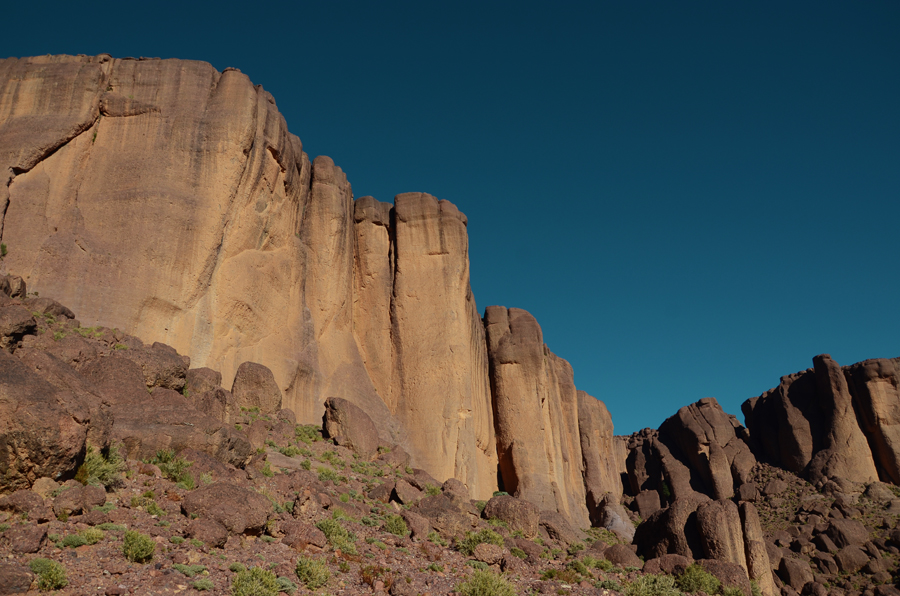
x: 170, y: 201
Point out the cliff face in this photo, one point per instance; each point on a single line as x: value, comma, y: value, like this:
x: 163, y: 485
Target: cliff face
x: 169, y: 200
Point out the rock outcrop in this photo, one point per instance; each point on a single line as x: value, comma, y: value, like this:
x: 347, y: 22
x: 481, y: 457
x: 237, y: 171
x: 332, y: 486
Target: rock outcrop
x: 830, y: 421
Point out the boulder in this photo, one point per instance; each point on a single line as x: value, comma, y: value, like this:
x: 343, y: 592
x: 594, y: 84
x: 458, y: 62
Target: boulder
x: 26, y: 538
x: 208, y: 531
x: 488, y: 553
x: 350, y: 426
x: 730, y: 574
x: 201, y: 380
x: 719, y: 525
x: 673, y: 530
x: 15, y: 322
x: 623, y: 556
x: 847, y: 532
x: 255, y: 387
x: 851, y: 559
x: 77, y: 499
x: 239, y: 510
x: 795, y: 573
x: 14, y: 579
x: 517, y: 514
x: 445, y: 515
x: 558, y: 527
x: 418, y: 525
x: 670, y: 564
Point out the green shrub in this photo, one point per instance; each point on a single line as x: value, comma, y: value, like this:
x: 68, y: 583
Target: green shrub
x: 173, y: 468
x: 732, y: 591
x: 396, y: 525
x: 189, y: 570
x: 653, y: 585
x: 110, y: 527
x: 435, y: 567
x: 138, y: 547
x: 327, y: 474
x: 289, y: 451
x: 102, y: 468
x: 467, y: 545
x: 203, y: 584
x: 255, y: 581
x: 236, y: 567
x: 485, y: 583
x: 497, y: 522
x: 477, y: 564
x: 312, y: 573
x: 695, y: 578
x: 436, y: 538
x: 610, y: 584
x: 72, y: 541
x: 307, y: 433
x: 176, y: 539
x: 432, y: 490
x: 51, y: 575
x: 518, y: 552
x: 286, y: 585
x: 606, y: 565
x: 480, y: 505
x: 93, y: 535
x: 339, y: 538
x: 754, y: 588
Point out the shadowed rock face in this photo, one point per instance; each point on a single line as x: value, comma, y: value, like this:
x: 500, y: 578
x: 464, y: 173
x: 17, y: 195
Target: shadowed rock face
x: 831, y: 421
x: 533, y: 404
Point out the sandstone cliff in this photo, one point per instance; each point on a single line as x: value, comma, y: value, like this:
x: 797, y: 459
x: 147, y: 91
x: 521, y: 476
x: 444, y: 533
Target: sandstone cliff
x: 169, y: 200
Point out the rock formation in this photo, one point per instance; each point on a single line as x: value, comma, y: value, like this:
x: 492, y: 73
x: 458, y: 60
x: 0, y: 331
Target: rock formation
x: 169, y: 200
x: 830, y: 421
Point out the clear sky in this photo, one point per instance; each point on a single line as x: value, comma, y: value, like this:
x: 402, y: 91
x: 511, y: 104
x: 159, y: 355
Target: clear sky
x: 693, y: 198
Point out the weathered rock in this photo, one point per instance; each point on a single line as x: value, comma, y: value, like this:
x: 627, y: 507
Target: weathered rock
x: 719, y: 524
x: 350, y: 426
x: 201, y: 380
x: 382, y: 492
x: 299, y: 534
x: 538, y: 463
x: 488, y: 553
x: 875, y: 387
x: 601, y: 476
x: 22, y: 501
x: 14, y: 579
x: 795, y: 573
x: 647, y: 502
x: 671, y: 564
x: 15, y: 322
x: 445, y: 515
x: 78, y: 498
x: 846, y: 532
x: 558, y: 527
x: 440, y: 390
x: 517, y: 513
x: 623, y: 556
x: 418, y: 525
x: 614, y: 517
x: 239, y: 510
x: 730, y: 574
x: 672, y: 530
x: 712, y: 444
x: 758, y: 566
x: 43, y: 429
x: 254, y: 387
x: 851, y: 559
x: 24, y: 539
x: 208, y: 531
x: 49, y: 306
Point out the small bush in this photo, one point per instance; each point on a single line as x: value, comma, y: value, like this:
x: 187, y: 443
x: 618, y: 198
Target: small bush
x: 72, y: 541
x: 480, y: 505
x: 307, y: 433
x: 286, y: 585
x: 754, y: 588
x: 51, y: 575
x: 203, y: 584
x: 110, y: 527
x: 396, y: 525
x: 255, y: 581
x: 695, y: 578
x: 610, y: 584
x: 312, y: 573
x: 467, y: 545
x: 176, y: 539
x: 732, y: 591
x: 339, y: 538
x: 236, y: 567
x: 435, y: 567
x: 138, y: 547
x: 173, y: 468
x: 653, y: 585
x: 101, y: 468
x: 436, y: 538
x: 289, y: 451
x: 518, y: 552
x: 432, y: 490
x: 485, y: 583
x: 93, y: 535
x: 327, y: 474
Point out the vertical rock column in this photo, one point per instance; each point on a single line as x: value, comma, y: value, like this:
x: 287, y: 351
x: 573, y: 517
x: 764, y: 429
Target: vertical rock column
x: 530, y: 419
x: 875, y: 386
x: 439, y: 389
x: 599, y: 453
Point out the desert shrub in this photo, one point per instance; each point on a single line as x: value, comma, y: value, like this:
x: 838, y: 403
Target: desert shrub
x: 307, y: 433
x: 480, y: 505
x: 189, y: 570
x: 255, y: 581
x: 138, y: 547
x: 609, y: 584
x: 731, y: 591
x: 92, y: 535
x: 567, y: 576
x: 432, y: 490
x: 110, y: 527
x: 477, y: 564
x: 436, y: 538
x: 695, y: 579
x: 578, y: 567
x: 174, y: 468
x: 370, y: 573
x: 102, y: 468
x: 653, y: 585
x: 607, y: 566
x: 236, y: 567
x: 50, y: 574
x: 754, y: 588
x: 485, y: 583
x: 396, y: 525
x: 518, y: 552
x: 467, y: 545
x: 176, y: 539
x: 435, y: 567
x: 72, y: 541
x: 286, y: 585
x: 339, y: 538
x: 497, y: 522
x: 327, y: 474
x: 203, y: 584
x: 312, y: 573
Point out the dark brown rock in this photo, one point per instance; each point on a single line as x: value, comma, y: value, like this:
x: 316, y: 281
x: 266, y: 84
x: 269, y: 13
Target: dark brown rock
x: 730, y: 574
x: 488, y: 553
x: 255, y: 387
x: 851, y: 559
x: 382, y: 492
x: 77, y: 499
x: 48, y: 306
x: 623, y: 556
x: 298, y: 535
x: 418, y: 525
x: 406, y: 493
x: 518, y: 514
x: 26, y: 538
x: 201, y: 380
x: 209, y: 531
x: 846, y: 532
x: 15, y: 322
x: 239, y: 510
x: 647, y: 502
x: 719, y: 524
x: 672, y: 530
x: 160, y: 366
x: 14, y: 579
x: 795, y: 573
x: 21, y: 501
x: 670, y: 564
x: 446, y: 515
x: 558, y: 527
x: 350, y: 426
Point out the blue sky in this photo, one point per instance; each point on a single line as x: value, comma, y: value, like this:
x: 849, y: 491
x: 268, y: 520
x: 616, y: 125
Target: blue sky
x: 693, y: 198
